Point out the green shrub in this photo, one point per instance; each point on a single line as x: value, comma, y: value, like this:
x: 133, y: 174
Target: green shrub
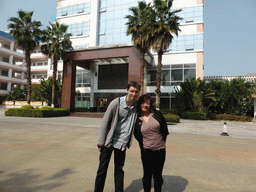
x: 61, y: 111
x: 230, y: 117
x: 194, y: 115
x: 18, y: 112
x: 81, y: 109
x: 49, y: 108
x: 27, y: 107
x: 173, y: 111
x: 171, y: 117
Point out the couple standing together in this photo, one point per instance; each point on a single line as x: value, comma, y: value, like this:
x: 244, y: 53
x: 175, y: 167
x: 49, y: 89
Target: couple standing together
x: 126, y: 116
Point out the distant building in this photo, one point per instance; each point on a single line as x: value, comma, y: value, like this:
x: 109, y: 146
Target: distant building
x: 248, y: 78
x: 12, y: 64
x: 41, y: 66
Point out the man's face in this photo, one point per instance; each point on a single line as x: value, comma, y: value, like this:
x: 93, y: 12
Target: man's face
x: 132, y: 93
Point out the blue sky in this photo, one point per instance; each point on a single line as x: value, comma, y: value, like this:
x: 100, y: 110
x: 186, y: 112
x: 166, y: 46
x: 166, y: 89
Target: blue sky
x: 229, y: 31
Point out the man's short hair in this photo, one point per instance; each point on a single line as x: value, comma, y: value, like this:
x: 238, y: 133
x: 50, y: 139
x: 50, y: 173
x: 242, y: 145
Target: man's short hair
x: 133, y: 84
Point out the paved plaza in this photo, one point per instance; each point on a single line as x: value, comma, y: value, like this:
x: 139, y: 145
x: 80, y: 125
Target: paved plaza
x: 60, y: 155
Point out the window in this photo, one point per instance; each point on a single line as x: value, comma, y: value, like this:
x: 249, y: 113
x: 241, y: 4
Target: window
x: 187, y: 42
x: 83, y: 78
x: 112, y: 28
x: 79, y: 29
x: 3, y: 86
x: 191, y: 14
x: 4, y: 73
x: 73, y: 10
x: 6, y: 59
x: 165, y: 77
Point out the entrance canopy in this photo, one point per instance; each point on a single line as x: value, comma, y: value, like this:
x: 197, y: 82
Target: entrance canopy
x: 84, y: 59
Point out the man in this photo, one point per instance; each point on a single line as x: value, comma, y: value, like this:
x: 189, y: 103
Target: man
x: 115, y: 135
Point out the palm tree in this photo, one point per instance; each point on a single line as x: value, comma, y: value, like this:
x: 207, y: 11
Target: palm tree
x: 164, y: 23
x: 194, y: 94
x: 56, y: 47
x: 27, y: 35
x: 138, y: 29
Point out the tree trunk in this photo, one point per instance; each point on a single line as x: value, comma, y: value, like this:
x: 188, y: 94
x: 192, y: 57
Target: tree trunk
x: 158, y: 79
x: 55, y: 64
x: 142, y: 67
x: 28, y: 65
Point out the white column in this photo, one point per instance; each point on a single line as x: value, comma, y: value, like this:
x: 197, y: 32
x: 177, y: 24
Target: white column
x: 9, y: 86
x: 92, y: 85
x: 10, y: 73
x: 12, y: 46
x: 23, y: 63
x: 11, y: 60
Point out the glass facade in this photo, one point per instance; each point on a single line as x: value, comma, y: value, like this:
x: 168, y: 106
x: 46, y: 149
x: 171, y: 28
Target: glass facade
x: 172, y: 75
x: 187, y: 42
x: 112, y: 21
x: 73, y: 10
x: 191, y: 14
x: 79, y: 29
x: 83, y: 78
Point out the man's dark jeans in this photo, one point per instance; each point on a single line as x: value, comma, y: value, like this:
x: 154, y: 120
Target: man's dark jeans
x: 119, y: 159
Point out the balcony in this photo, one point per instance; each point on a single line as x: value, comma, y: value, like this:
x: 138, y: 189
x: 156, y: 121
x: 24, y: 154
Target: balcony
x: 16, y: 53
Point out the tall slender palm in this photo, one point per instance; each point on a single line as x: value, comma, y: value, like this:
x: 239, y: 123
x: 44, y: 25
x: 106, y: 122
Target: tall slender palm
x: 138, y: 29
x: 27, y: 34
x: 164, y: 23
x: 56, y: 47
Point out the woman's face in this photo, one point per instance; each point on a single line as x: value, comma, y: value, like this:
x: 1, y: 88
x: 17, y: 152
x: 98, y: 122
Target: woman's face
x: 145, y: 106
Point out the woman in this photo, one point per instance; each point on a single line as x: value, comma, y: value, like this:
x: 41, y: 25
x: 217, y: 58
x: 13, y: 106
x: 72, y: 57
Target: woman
x: 151, y: 132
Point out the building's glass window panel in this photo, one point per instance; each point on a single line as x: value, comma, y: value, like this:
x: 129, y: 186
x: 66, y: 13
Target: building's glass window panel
x: 83, y: 78
x: 172, y: 75
x: 191, y: 14
x: 80, y: 47
x: 73, y: 10
x: 4, y: 73
x: 187, y: 42
x: 3, y: 86
x: 189, y: 73
x: 79, y: 29
x: 165, y: 77
x: 177, y: 75
x: 6, y: 59
x: 112, y: 21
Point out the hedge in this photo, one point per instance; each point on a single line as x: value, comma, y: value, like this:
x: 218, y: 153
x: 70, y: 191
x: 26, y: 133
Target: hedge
x: 171, y: 117
x: 82, y: 109
x: 18, y: 112
x: 173, y: 111
x: 27, y: 107
x: 230, y: 117
x: 194, y: 115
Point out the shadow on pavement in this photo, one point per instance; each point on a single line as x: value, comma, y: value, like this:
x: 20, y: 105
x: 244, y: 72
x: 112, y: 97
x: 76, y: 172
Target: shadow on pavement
x: 23, y: 182
x: 171, y: 184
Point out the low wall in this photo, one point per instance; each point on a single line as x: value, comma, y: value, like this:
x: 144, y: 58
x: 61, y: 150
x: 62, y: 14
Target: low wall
x: 19, y: 104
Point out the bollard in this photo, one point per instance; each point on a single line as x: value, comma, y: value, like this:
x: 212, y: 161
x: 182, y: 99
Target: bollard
x: 225, y: 130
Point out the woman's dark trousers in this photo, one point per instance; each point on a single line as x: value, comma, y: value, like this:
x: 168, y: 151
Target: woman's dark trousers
x: 153, y: 163
x: 119, y: 159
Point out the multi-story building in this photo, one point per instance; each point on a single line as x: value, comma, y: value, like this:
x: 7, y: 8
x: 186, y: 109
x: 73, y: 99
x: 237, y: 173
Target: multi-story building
x: 248, y: 78
x: 12, y: 64
x: 104, y: 59
x: 41, y: 66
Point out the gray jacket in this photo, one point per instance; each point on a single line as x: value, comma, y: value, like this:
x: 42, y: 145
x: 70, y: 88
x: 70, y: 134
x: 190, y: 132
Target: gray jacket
x: 109, y: 123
